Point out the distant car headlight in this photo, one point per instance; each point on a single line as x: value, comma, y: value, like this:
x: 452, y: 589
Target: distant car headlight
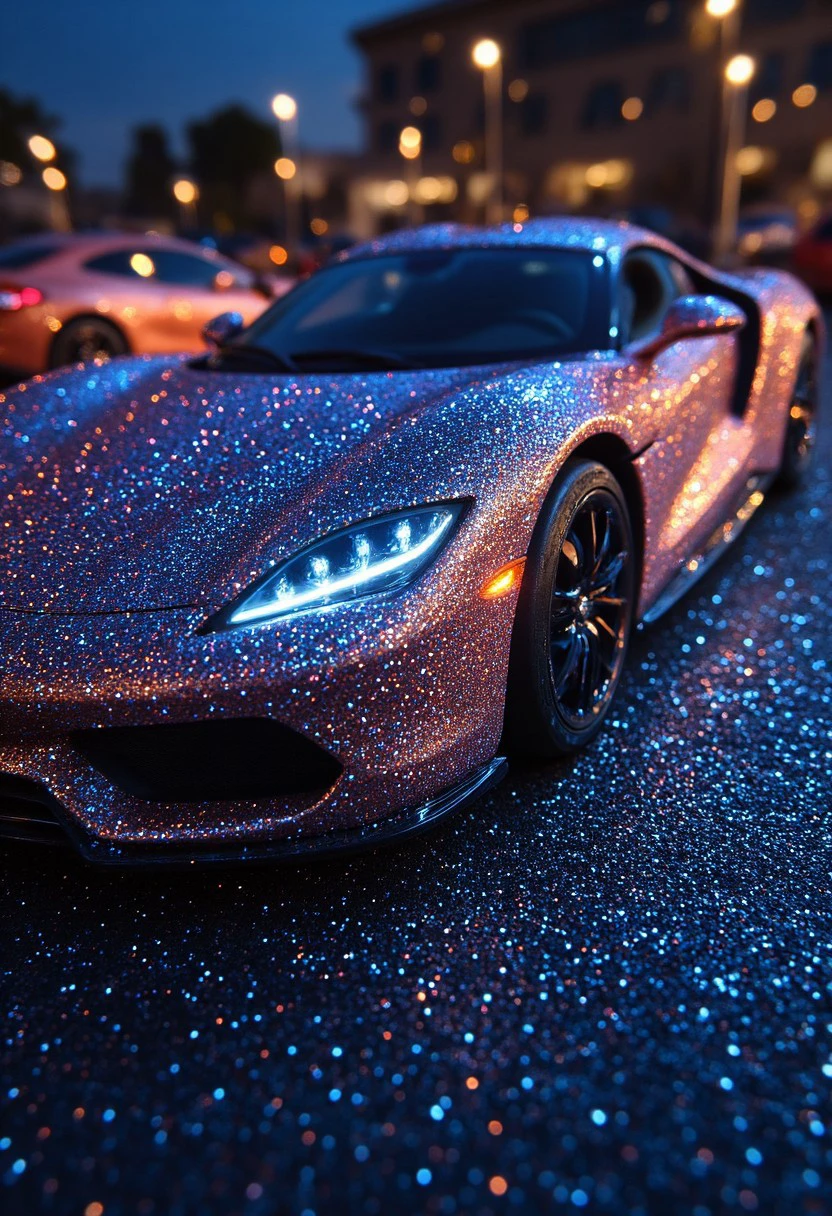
x: 381, y: 554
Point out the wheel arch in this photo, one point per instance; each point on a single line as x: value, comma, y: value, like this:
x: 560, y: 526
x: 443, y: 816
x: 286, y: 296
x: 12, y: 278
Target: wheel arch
x: 612, y: 452
x: 90, y: 316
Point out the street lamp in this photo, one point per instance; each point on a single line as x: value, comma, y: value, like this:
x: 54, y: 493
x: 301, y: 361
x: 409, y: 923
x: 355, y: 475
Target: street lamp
x: 739, y: 72
x: 410, y: 147
x: 42, y: 148
x: 186, y: 193
x: 487, y: 56
x: 285, y: 110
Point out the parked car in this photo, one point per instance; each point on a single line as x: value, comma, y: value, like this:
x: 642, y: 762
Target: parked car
x: 766, y: 233
x: 292, y: 595
x: 812, y: 257
x: 65, y: 299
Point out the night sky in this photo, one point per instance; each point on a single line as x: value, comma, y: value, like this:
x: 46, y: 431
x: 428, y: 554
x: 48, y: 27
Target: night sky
x: 105, y: 65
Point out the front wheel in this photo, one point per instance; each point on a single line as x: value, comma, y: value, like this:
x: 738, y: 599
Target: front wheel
x: 801, y: 424
x: 87, y: 340
x: 574, y: 615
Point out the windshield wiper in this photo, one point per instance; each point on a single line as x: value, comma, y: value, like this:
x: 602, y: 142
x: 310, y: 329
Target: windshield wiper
x: 375, y: 358
x: 244, y: 352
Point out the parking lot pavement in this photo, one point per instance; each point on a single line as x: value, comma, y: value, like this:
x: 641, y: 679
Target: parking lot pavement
x: 605, y: 987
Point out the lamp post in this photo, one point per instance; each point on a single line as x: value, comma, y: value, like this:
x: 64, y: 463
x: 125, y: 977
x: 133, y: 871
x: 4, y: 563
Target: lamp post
x: 285, y: 110
x: 739, y: 72
x: 410, y: 148
x: 488, y: 57
x: 186, y: 193
x: 728, y: 15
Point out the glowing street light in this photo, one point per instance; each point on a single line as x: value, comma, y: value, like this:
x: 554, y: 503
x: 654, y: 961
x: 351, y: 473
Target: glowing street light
x: 410, y: 148
x: 410, y: 143
x: 185, y: 191
x: 42, y: 148
x: 486, y: 54
x: 739, y: 72
x: 285, y: 107
x: 487, y: 57
x: 285, y: 110
x: 53, y: 179
x: 720, y: 8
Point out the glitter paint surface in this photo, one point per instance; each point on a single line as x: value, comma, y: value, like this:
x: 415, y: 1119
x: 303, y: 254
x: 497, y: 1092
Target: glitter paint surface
x: 604, y: 989
x: 140, y: 498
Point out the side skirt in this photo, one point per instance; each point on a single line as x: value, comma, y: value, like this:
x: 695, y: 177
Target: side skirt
x: 695, y: 567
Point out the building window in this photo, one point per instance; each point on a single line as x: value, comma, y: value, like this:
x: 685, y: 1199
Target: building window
x: 534, y: 113
x: 611, y: 27
x: 387, y: 83
x: 603, y: 105
x: 669, y: 90
x: 820, y: 66
x: 387, y: 137
x: 428, y: 74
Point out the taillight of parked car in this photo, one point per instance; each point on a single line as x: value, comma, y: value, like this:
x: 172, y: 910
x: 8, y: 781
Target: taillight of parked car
x: 12, y: 299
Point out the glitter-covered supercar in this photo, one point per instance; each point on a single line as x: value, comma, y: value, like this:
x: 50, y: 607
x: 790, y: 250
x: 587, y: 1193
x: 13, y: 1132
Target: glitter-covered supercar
x: 291, y: 596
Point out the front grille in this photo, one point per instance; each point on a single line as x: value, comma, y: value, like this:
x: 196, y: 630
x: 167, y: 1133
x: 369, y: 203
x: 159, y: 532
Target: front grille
x: 231, y: 760
x: 26, y: 812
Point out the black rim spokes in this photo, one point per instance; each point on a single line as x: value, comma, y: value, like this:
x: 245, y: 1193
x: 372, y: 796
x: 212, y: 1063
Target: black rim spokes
x: 589, y: 609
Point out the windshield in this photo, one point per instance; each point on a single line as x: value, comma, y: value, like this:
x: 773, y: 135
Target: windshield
x: 439, y: 309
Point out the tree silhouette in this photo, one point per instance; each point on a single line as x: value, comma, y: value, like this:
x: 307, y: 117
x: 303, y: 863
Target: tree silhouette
x: 228, y: 150
x: 20, y: 118
x: 150, y: 173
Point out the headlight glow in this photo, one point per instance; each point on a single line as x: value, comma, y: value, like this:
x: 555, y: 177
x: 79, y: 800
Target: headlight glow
x: 377, y: 555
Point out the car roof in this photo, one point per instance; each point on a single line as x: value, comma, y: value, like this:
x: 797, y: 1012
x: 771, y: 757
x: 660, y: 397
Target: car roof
x: 90, y: 243
x: 563, y: 232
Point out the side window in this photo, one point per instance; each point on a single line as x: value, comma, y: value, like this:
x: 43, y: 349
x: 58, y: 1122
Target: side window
x: 650, y: 282
x: 185, y: 270
x: 126, y: 263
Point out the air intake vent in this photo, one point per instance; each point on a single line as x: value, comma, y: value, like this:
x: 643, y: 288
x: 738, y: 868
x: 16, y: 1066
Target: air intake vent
x: 233, y: 760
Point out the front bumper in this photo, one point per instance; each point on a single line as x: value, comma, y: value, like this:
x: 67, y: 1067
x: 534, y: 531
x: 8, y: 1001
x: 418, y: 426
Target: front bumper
x: 405, y: 697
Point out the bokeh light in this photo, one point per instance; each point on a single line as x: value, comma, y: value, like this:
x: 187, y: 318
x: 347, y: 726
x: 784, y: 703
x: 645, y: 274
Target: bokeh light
x: 486, y: 54
x: 185, y: 191
x: 53, y: 179
x: 285, y: 168
x: 740, y: 69
x: 285, y: 107
x: 42, y: 148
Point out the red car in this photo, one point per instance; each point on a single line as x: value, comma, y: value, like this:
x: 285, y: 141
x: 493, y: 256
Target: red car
x: 65, y: 299
x: 812, y: 258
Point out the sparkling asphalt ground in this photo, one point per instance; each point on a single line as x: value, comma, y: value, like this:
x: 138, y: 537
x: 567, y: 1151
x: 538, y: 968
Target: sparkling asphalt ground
x: 606, y: 987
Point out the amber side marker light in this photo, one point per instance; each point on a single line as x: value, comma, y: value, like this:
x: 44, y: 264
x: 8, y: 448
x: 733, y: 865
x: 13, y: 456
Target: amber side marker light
x: 506, y: 579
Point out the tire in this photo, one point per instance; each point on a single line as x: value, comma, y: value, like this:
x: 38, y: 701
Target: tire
x: 87, y: 339
x: 801, y: 424
x: 574, y: 616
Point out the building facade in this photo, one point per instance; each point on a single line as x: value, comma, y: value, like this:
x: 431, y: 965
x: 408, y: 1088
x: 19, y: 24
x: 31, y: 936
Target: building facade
x: 607, y: 105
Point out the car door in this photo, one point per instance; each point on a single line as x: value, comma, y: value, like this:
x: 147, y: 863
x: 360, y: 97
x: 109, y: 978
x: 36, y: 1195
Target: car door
x: 699, y: 460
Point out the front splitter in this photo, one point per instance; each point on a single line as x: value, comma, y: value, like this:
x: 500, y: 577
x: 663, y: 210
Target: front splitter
x: 294, y: 848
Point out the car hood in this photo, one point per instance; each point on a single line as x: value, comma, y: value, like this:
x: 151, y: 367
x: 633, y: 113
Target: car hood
x: 139, y: 485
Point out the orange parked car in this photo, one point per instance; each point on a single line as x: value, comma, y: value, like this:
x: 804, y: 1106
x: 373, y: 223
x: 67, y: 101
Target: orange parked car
x: 77, y: 298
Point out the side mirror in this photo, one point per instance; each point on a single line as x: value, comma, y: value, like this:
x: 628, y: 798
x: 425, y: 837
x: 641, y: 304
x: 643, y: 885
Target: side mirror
x: 690, y: 317
x: 223, y: 328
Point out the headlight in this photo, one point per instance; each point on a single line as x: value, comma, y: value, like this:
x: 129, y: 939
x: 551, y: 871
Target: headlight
x: 379, y: 555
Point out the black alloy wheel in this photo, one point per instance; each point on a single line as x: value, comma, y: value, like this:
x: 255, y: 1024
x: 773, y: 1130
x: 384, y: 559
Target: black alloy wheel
x: 87, y: 340
x: 574, y: 615
x: 801, y: 424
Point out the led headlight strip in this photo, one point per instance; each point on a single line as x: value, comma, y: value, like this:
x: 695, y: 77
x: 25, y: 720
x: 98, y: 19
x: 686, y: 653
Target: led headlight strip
x: 377, y: 555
